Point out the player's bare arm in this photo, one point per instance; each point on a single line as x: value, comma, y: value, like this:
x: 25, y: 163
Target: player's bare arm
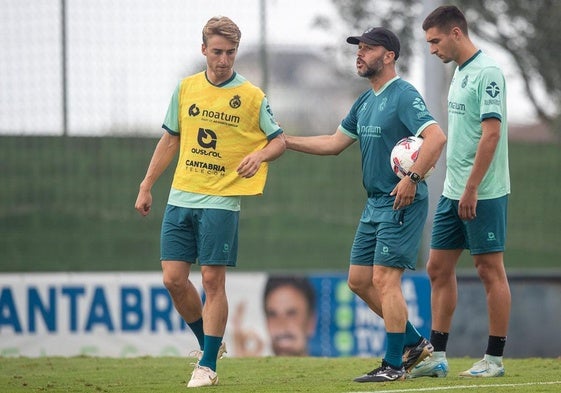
x: 165, y: 151
x: 251, y: 163
x: 490, y: 136
x: 434, y: 140
x: 323, y: 145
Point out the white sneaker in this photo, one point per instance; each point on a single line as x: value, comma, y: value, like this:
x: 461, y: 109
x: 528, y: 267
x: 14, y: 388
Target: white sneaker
x: 484, y: 368
x: 202, y: 376
x: 199, y: 354
x: 435, y: 366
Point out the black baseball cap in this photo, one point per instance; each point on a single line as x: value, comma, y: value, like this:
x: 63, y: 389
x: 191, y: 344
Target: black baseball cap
x: 378, y: 36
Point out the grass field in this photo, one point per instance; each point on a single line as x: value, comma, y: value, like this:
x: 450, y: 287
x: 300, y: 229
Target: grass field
x: 67, y: 205
x: 271, y: 374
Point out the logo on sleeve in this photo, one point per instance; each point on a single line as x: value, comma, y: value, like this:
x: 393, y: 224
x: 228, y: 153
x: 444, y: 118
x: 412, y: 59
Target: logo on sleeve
x: 493, y: 89
x: 419, y: 104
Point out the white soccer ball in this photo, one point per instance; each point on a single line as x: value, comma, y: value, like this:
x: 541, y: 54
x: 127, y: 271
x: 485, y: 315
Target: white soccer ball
x: 404, y: 154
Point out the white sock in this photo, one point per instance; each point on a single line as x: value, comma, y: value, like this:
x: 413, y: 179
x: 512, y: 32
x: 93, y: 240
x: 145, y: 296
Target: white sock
x: 494, y: 359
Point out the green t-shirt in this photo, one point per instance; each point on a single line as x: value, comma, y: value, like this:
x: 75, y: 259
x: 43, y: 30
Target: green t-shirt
x: 378, y: 120
x: 477, y: 92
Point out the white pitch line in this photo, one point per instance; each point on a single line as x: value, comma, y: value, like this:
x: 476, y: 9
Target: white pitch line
x: 436, y: 388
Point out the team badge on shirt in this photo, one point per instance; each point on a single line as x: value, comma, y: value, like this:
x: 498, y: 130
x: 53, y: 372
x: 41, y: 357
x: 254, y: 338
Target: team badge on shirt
x: 382, y: 105
x: 235, y: 102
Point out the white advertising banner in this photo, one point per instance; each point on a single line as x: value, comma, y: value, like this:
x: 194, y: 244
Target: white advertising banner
x: 129, y: 314
x: 106, y: 314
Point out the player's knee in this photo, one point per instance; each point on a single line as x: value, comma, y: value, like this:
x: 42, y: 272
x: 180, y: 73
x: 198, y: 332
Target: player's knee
x: 358, y: 285
x: 490, y: 274
x: 173, y: 282
x: 387, y: 282
x: 432, y: 270
x: 438, y: 271
x: 213, y: 284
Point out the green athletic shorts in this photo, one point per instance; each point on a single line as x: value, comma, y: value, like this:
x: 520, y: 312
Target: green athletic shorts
x: 208, y: 236
x: 389, y: 237
x: 484, y: 234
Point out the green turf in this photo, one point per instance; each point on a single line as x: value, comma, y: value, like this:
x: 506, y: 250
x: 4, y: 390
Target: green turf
x: 67, y: 204
x: 270, y: 374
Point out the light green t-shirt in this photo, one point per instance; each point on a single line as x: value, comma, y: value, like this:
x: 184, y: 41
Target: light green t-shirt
x: 477, y: 92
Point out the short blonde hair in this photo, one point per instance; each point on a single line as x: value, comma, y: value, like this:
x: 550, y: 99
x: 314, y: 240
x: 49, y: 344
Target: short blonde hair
x: 223, y: 26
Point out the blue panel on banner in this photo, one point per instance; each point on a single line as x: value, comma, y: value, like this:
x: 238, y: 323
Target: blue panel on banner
x: 347, y: 327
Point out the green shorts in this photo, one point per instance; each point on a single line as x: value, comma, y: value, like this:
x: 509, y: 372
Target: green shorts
x: 209, y: 236
x: 389, y: 237
x: 484, y: 234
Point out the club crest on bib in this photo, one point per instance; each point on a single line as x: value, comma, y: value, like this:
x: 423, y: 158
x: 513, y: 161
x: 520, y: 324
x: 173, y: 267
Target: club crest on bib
x: 235, y: 102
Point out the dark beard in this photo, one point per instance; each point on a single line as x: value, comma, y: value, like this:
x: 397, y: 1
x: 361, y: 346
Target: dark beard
x: 373, y: 71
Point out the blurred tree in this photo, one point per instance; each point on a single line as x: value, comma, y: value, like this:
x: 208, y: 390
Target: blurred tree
x: 529, y: 31
x: 399, y: 16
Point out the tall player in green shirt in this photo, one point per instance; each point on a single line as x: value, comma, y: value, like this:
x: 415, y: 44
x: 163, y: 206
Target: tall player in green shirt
x: 472, y: 210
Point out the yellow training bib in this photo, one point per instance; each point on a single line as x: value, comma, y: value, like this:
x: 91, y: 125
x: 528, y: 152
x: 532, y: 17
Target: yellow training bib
x: 218, y: 127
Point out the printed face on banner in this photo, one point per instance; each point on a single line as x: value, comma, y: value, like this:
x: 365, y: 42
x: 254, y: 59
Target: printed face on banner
x: 290, y: 321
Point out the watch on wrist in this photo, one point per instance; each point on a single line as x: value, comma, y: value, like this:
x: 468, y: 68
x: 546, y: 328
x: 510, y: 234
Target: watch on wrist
x: 414, y: 177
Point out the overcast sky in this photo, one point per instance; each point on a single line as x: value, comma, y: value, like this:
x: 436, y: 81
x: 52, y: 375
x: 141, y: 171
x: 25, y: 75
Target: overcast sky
x: 125, y: 57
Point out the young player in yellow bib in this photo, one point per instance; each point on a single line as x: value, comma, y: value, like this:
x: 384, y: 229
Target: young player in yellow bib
x: 225, y: 133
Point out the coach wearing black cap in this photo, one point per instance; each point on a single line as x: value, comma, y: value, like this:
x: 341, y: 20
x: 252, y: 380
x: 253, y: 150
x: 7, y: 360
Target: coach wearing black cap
x: 388, y: 235
x: 378, y: 36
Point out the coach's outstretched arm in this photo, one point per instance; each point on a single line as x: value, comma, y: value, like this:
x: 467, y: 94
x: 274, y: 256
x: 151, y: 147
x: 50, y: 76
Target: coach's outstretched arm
x: 322, y: 145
